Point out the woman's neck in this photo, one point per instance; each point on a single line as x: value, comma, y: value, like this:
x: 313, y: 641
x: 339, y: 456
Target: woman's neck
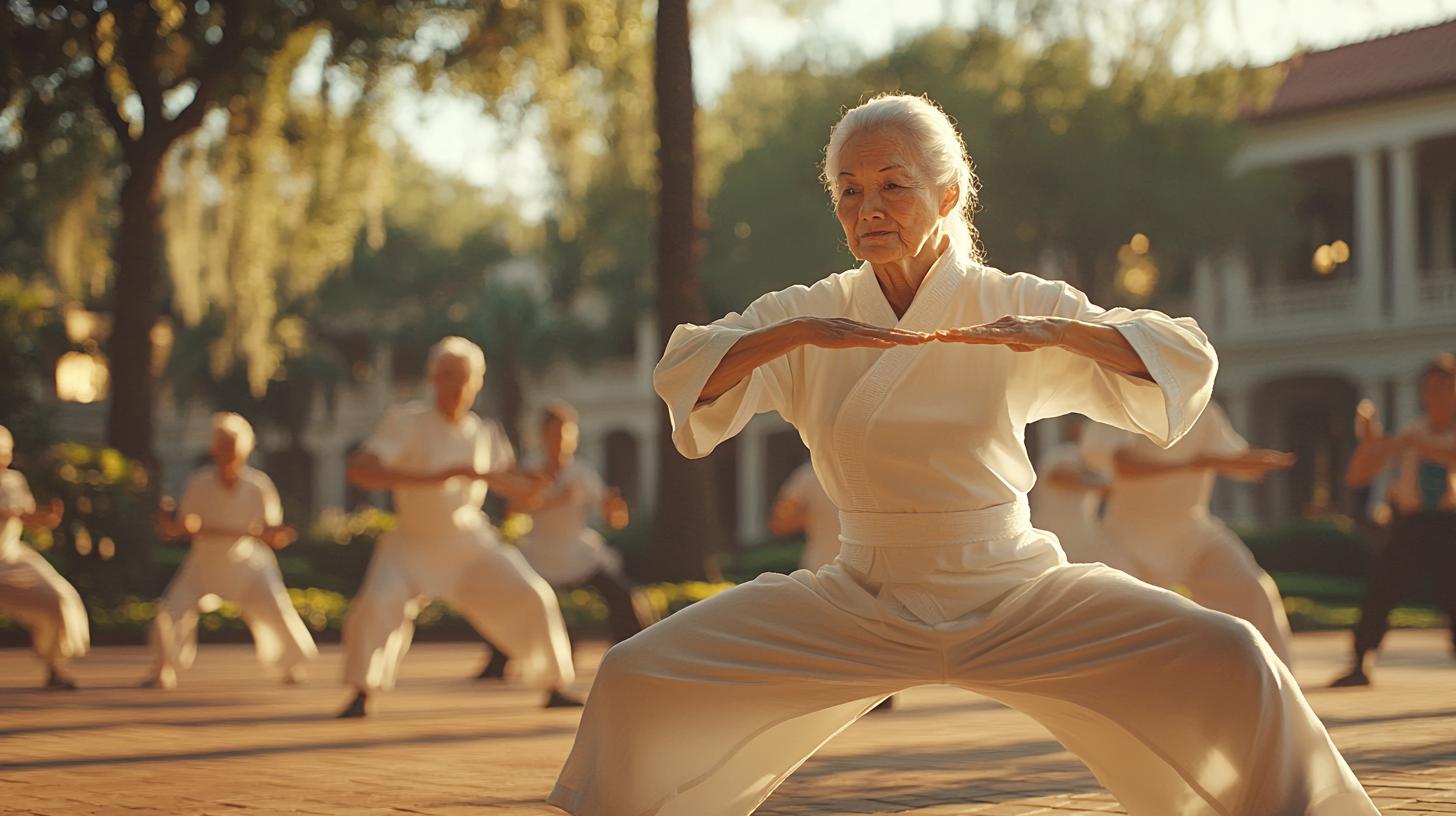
x: 900, y: 280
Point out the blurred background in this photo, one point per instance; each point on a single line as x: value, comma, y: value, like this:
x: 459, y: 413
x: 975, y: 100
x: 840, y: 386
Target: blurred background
x: 275, y: 206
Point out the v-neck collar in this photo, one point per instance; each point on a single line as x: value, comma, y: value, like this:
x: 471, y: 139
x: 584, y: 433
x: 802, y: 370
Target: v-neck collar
x: 933, y: 288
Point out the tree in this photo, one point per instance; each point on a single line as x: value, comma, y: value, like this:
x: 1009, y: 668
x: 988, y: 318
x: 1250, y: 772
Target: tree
x: 151, y: 71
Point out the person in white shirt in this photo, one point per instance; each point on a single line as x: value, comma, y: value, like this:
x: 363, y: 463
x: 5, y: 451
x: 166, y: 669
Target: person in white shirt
x: 1157, y: 515
x: 803, y: 506
x: 31, y: 591
x: 438, y: 458
x: 561, y: 546
x: 1422, y: 537
x: 1066, y: 500
x: 234, y: 519
x: 911, y: 379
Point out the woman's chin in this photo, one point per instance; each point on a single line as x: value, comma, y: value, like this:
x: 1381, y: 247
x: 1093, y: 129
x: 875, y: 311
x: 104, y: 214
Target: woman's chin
x: 880, y: 254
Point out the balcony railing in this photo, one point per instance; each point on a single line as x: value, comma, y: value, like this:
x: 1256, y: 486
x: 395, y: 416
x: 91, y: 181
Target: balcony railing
x: 1436, y: 295
x: 1326, y: 301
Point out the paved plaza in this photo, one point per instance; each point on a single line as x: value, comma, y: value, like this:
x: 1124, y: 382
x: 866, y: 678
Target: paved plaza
x: 233, y: 741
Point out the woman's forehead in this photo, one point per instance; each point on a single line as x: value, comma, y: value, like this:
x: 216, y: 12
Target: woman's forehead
x: 875, y: 151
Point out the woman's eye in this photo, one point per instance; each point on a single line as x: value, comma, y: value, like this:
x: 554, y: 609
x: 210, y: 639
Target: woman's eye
x: 850, y: 191
x: 892, y: 186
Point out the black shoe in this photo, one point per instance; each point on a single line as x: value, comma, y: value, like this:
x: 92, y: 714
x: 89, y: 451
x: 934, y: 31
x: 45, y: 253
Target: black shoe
x: 56, y: 681
x: 495, y: 668
x: 1355, y: 679
x: 885, y: 707
x: 558, y: 700
x: 355, y: 709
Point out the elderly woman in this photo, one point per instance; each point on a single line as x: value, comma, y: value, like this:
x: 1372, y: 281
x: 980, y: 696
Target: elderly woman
x: 31, y: 591
x: 912, y: 387
x: 233, y: 516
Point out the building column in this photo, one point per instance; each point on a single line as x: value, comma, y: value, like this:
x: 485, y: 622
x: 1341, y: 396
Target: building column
x: 1369, y: 250
x: 751, y: 456
x: 1236, y: 404
x: 381, y: 384
x: 647, y: 445
x: 1236, y: 282
x: 1405, y: 231
x: 329, y: 466
x: 1205, y: 296
x: 1442, y: 257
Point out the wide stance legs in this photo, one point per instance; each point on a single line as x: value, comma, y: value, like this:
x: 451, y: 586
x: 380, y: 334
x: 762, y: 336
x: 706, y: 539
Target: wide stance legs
x: 1175, y: 708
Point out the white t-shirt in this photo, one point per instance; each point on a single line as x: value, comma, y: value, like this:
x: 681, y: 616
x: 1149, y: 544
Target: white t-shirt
x: 1178, y: 493
x: 251, y: 504
x: 561, y: 546
x: 417, y: 438
x: 14, y: 498
x: 821, y: 523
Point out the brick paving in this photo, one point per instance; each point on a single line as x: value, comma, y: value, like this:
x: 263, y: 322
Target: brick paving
x: 233, y: 741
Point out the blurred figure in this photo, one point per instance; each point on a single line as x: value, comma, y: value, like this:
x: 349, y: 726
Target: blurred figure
x: 1066, y: 499
x: 232, y: 514
x: 803, y: 506
x: 1157, y: 513
x: 561, y: 546
x: 439, y: 459
x: 31, y: 591
x: 1422, y: 537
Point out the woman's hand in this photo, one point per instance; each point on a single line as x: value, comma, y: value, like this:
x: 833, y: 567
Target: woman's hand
x: 1018, y: 333
x: 1101, y: 343
x: 1251, y: 466
x: 841, y: 332
x: 278, y: 536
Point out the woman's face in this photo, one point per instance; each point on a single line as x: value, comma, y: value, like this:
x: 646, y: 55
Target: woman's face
x: 888, y: 206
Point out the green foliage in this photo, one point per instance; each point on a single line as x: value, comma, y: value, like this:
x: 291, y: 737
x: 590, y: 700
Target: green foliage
x: 1071, y: 167
x: 106, y: 542
x: 32, y: 337
x: 1326, y: 546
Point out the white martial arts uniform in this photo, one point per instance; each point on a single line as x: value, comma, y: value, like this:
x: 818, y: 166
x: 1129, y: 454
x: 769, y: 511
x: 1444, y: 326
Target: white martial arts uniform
x: 1070, y: 514
x: 443, y: 546
x: 941, y: 579
x: 238, y: 569
x: 821, y: 517
x: 31, y: 591
x: 1161, y: 523
x: 562, y: 547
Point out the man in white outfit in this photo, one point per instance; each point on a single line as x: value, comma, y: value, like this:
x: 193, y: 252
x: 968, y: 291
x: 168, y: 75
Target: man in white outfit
x: 1066, y: 499
x: 803, y: 506
x: 1157, y: 513
x: 438, y: 459
x: 562, y: 546
x: 31, y: 591
x: 233, y: 516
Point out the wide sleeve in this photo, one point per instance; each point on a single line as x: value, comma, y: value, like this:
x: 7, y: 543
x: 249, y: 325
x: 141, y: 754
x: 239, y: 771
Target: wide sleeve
x: 15, y: 497
x: 194, y: 499
x: 1175, y: 350
x: 1220, y: 438
x: 693, y: 354
x: 272, y: 508
x: 499, y: 453
x: 389, y: 438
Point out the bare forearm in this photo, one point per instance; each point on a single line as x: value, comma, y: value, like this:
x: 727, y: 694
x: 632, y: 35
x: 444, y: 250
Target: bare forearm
x: 1129, y: 465
x: 1369, y: 459
x: 751, y: 351
x: 1104, y: 344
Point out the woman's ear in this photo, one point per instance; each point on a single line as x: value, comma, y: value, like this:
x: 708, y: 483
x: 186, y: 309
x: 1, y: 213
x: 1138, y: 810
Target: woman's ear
x: 948, y: 199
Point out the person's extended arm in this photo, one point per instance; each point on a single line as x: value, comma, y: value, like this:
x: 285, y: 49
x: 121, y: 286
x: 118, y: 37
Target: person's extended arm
x: 1250, y: 464
x: 47, y: 518
x: 1102, y: 343
x: 760, y: 346
x: 1067, y: 477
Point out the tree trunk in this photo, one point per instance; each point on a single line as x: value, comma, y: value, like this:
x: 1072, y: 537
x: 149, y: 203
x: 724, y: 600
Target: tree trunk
x: 134, y: 308
x: 686, y: 527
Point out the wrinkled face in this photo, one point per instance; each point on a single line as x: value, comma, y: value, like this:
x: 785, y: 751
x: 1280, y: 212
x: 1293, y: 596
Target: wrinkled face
x: 456, y: 386
x: 887, y: 205
x: 226, y: 452
x: 559, y: 438
x: 1438, y: 394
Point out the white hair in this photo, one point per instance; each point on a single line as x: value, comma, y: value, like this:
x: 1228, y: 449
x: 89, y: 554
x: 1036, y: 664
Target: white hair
x: 460, y: 348
x: 238, y: 428
x: 938, y: 146
x: 7, y: 442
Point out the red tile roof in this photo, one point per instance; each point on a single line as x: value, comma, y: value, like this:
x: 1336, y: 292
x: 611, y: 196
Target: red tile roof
x: 1422, y: 59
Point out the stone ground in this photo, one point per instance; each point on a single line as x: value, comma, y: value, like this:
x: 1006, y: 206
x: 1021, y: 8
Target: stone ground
x: 231, y: 741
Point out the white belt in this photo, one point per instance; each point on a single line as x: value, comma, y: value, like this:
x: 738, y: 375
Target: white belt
x: 882, y: 530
